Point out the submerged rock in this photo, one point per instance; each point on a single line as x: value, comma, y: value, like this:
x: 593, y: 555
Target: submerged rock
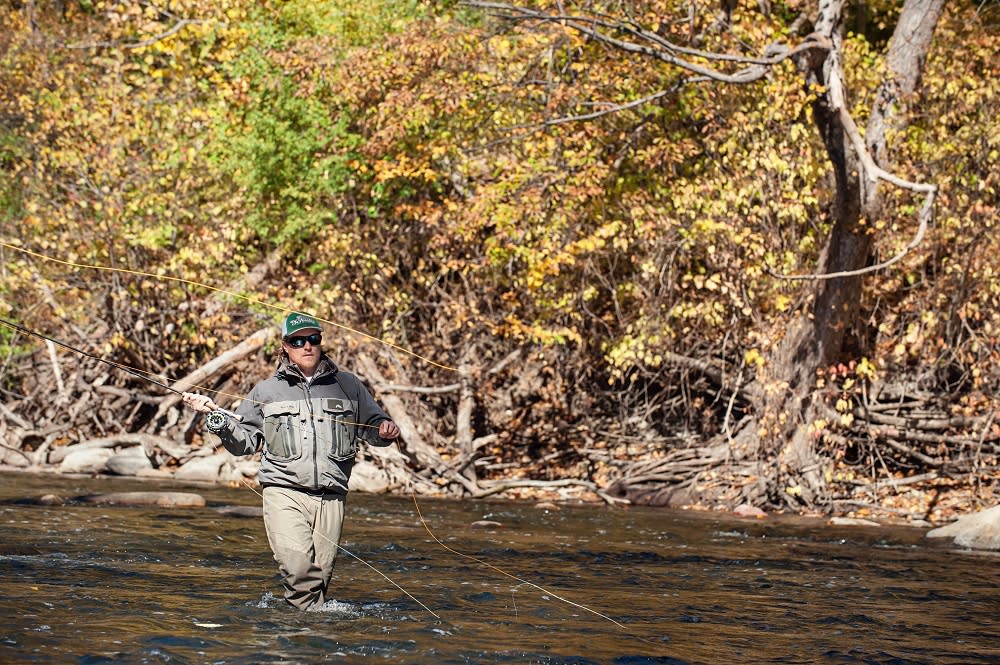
x: 240, y: 511
x: 129, y: 462
x: 747, y: 510
x: 979, y: 531
x: 852, y: 521
x: 161, y: 499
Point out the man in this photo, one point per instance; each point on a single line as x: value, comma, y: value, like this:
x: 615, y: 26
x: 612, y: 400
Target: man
x: 307, y: 419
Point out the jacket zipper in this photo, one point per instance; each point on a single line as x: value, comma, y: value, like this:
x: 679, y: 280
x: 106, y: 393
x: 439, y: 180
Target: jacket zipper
x: 315, y: 442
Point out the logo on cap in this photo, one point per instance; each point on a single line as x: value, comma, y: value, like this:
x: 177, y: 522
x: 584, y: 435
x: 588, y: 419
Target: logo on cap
x: 297, y: 321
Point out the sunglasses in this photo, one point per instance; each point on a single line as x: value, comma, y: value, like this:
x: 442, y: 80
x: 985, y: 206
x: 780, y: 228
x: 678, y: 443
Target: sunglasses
x: 314, y: 339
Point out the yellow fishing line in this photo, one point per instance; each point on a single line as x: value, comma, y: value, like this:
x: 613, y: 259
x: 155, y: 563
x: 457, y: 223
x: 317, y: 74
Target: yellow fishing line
x: 510, y: 575
x: 357, y: 332
x: 191, y: 282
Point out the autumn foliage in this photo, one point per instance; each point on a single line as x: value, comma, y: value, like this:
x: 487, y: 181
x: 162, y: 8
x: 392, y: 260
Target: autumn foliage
x: 468, y: 188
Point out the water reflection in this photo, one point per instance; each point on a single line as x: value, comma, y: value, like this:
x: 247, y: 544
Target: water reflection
x: 102, y: 584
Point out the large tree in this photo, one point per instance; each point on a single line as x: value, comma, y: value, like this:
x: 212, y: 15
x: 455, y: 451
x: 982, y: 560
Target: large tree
x: 860, y: 165
x: 778, y: 454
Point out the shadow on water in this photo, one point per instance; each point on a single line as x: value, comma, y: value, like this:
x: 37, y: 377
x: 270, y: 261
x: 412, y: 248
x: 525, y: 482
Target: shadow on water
x: 106, y: 584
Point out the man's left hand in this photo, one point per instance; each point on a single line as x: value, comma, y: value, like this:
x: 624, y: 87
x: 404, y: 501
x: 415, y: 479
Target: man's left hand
x: 388, y: 430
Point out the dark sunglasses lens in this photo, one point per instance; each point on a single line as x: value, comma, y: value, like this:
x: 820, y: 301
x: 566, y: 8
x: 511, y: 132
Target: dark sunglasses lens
x: 298, y: 342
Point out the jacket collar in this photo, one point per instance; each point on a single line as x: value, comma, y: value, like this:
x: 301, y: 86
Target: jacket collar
x: 289, y: 370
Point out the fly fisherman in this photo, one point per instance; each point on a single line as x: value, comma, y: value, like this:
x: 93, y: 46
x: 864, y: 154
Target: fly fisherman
x: 307, y: 419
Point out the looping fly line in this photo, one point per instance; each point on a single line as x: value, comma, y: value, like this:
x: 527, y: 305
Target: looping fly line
x: 148, y: 377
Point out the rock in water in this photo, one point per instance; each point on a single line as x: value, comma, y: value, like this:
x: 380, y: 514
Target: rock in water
x: 746, y: 510
x: 240, y: 511
x: 979, y: 531
x: 162, y: 499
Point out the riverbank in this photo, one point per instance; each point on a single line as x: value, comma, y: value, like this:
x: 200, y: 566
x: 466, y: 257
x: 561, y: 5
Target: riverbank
x: 975, y: 530
x: 923, y: 507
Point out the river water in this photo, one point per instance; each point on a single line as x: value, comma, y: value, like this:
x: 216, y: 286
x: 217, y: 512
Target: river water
x: 579, y: 584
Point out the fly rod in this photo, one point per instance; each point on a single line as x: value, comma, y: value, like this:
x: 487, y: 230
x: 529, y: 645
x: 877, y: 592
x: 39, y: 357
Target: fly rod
x: 125, y: 368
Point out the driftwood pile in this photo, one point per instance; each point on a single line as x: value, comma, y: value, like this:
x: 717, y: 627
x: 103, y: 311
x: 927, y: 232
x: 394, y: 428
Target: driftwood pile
x: 887, y: 438
x: 143, y: 430
x: 80, y: 415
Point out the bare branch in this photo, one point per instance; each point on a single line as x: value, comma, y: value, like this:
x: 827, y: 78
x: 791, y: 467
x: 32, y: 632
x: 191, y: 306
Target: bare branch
x: 423, y: 390
x: 502, y: 486
x: 871, y: 174
x: 926, y: 213
x: 608, y: 110
x: 141, y: 44
x: 652, y: 45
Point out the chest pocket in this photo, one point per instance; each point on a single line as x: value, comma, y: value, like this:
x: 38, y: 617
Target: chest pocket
x: 283, y: 429
x: 340, y: 424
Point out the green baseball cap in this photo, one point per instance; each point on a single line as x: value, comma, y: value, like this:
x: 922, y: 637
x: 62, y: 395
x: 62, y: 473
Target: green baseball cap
x: 297, y: 321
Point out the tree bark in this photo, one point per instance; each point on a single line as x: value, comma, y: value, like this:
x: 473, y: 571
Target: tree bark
x: 816, y: 339
x: 463, y: 421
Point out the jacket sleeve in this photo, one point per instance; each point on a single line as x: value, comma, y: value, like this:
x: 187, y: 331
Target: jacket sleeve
x: 243, y: 434
x: 370, y: 414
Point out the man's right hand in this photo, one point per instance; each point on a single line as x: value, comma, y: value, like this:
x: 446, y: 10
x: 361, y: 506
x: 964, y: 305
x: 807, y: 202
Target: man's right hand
x: 200, y: 403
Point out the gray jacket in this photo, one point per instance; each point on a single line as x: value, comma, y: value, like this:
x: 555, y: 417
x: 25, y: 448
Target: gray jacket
x: 308, y: 431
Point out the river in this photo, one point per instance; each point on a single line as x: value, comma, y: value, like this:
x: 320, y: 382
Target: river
x: 578, y: 584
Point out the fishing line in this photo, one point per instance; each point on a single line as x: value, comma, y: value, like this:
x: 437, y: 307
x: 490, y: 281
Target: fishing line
x: 511, y: 575
x: 140, y: 374
x: 253, y: 301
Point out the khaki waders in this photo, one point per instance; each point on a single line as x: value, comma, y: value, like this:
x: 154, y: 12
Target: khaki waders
x: 303, y: 531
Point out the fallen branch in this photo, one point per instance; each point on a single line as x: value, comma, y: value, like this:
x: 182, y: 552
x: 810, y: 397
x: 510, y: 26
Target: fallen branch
x: 892, y: 482
x: 897, y: 434
x: 20, y: 452
x: 149, y: 442
x: 503, y: 485
x: 423, y: 390
x: 917, y: 422
x: 128, y: 395
x: 13, y: 417
x: 412, y: 440
x: 218, y: 364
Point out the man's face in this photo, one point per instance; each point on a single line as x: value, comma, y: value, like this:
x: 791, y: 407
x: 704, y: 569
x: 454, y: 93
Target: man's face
x: 303, y: 348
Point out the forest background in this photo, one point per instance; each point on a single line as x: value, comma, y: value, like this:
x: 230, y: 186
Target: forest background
x: 574, y: 248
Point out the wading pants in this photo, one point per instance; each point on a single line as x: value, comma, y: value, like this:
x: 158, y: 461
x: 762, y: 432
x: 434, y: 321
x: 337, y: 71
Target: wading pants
x: 303, y: 531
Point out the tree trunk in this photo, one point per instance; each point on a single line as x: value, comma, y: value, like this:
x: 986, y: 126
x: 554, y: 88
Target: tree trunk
x: 816, y: 339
